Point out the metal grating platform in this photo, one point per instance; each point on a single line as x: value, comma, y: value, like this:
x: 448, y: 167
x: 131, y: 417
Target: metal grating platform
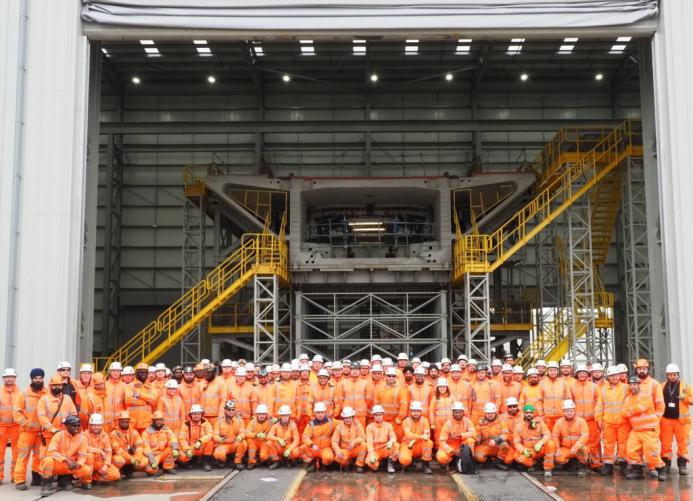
x: 258, y: 484
x: 496, y: 485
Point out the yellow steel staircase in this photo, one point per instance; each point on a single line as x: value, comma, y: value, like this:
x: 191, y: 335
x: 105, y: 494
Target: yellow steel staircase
x: 605, y: 200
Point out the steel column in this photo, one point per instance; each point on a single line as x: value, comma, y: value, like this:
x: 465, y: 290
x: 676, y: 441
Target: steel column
x: 271, y: 314
x: 477, y: 317
x: 194, y: 270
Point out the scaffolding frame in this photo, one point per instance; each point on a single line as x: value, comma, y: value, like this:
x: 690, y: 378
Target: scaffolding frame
x: 639, y: 332
x: 194, y: 269
x: 476, y: 317
x: 270, y: 312
x: 549, y: 284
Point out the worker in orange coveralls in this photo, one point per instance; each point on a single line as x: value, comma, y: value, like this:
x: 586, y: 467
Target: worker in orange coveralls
x: 554, y: 390
x: 66, y: 456
x: 229, y: 436
x: 283, y: 438
x: 614, y: 428
x: 114, y: 401
x: 256, y: 436
x: 416, y: 440
x: 127, y: 445
x: 25, y: 415
x: 9, y: 429
x: 160, y: 446
x: 316, y: 447
x: 585, y: 394
x: 352, y: 392
x: 457, y: 438
x: 324, y: 391
x: 394, y: 399
x: 676, y: 422
x: 171, y: 404
x: 532, y: 440
x: 381, y: 441
x: 571, y: 437
x: 493, y: 439
x: 349, y: 441
x: 52, y: 409
x: 196, y: 440
x: 140, y: 399
x: 304, y: 399
x: 532, y: 393
x: 100, y: 452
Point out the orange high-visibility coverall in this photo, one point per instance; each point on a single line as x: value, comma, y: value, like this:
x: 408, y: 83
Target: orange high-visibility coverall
x: 256, y: 438
x: 288, y: 434
x: 554, y: 392
x: 229, y: 438
x: 614, y: 428
x: 140, y: 400
x: 158, y: 448
x: 461, y: 391
x: 304, y: 405
x: 652, y: 387
x: 317, y: 441
x: 128, y: 448
x: 114, y: 401
x: 586, y: 396
x: 349, y: 442
x: 378, y: 437
x: 421, y: 393
x: 372, y: 388
x: 100, y: 457
x: 62, y: 448
x: 25, y: 415
x: 190, y: 393
x: 246, y: 399
x: 192, y: 433
x: 325, y: 394
x: 452, y: 436
x: 213, y: 399
x: 9, y: 430
x: 46, y: 409
x: 511, y: 421
x: 525, y: 438
x: 95, y: 403
x: 174, y: 413
x: 679, y: 428
x: 497, y: 431
x: 395, y: 402
x: 353, y: 393
x: 83, y: 390
x: 507, y: 390
x: 285, y: 394
x: 535, y: 396
x: 643, y: 440
x: 265, y: 395
x: 439, y: 412
x: 483, y: 392
x: 416, y: 441
x: 571, y: 439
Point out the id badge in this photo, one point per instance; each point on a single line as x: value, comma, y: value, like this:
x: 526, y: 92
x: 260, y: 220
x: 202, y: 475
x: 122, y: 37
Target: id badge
x: 672, y: 404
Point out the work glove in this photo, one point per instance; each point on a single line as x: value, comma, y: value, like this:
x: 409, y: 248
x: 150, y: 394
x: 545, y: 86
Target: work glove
x: 282, y: 442
x: 287, y: 453
x: 198, y: 445
x: 275, y: 420
x: 388, y: 446
x: 373, y: 459
x: 527, y: 453
x: 133, y: 461
x: 189, y: 453
x: 315, y: 447
x: 411, y: 444
x: 155, y: 465
x: 538, y: 446
x: 175, y: 454
x: 398, y: 421
x: 261, y: 435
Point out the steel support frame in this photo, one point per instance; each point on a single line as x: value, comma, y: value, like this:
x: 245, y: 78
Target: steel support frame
x: 635, y: 255
x: 271, y: 312
x: 356, y: 324
x: 477, y: 317
x: 549, y: 284
x: 193, y: 270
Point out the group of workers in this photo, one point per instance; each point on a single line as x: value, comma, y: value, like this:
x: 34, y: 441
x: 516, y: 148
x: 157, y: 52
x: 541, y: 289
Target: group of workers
x: 100, y: 428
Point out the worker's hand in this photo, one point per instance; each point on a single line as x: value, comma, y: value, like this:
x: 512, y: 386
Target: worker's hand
x: 133, y: 460
x: 373, y: 459
x: 388, y: 446
x: 198, y: 445
x: 282, y: 442
x: 103, y: 470
x: 287, y: 453
x: 175, y: 454
x: 538, y: 446
x: 155, y: 465
x: 275, y: 420
x: 315, y: 447
x: 411, y: 444
x: 72, y: 465
x: 492, y: 442
x: 398, y: 421
x: 239, y: 438
x: 527, y: 453
x: 261, y: 436
x: 573, y: 451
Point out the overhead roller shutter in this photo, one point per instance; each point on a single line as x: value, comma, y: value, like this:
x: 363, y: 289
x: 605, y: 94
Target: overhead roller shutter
x: 369, y: 14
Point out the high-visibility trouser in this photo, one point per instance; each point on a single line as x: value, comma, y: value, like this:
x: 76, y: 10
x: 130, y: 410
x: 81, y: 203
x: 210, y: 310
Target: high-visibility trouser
x: 50, y: 467
x: 644, y: 446
x: 381, y: 453
x: 8, y: 434
x: 345, y: 456
x: 594, y: 444
x: 448, y: 449
x: 483, y: 452
x: 422, y: 449
x: 163, y: 458
x: 276, y: 452
x: 324, y: 454
x: 206, y: 450
x: 548, y: 452
x: 670, y: 428
x: 96, y: 464
x: 550, y: 421
x: 120, y: 460
x: 301, y: 424
x: 238, y: 449
x: 615, y: 436
x: 564, y: 454
x: 47, y: 437
x: 255, y: 445
x: 29, y: 443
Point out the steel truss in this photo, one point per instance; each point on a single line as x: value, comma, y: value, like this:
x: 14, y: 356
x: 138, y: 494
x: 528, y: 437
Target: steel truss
x: 549, y: 287
x: 640, y: 342
x: 194, y: 270
x: 272, y: 313
x: 470, y: 311
x: 360, y: 324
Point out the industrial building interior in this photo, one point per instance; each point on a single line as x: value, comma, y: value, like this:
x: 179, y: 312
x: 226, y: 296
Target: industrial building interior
x: 347, y: 197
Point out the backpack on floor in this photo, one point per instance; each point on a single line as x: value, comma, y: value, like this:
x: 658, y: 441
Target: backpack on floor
x: 465, y: 462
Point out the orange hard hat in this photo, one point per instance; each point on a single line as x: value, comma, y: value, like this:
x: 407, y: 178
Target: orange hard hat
x: 142, y: 366
x: 123, y: 415
x: 158, y: 415
x: 98, y: 378
x: 641, y: 362
x: 56, y: 379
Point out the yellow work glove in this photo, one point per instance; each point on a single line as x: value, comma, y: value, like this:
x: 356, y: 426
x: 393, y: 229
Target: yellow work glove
x: 189, y: 454
x: 527, y: 453
x: 261, y: 435
x: 239, y: 438
x: 198, y: 445
x: 388, y: 446
x: 412, y: 443
x: 275, y: 420
x: 398, y: 421
x: 133, y: 461
x: 282, y: 442
x: 373, y: 459
x: 155, y: 465
x: 287, y: 453
x: 175, y: 454
x: 538, y: 447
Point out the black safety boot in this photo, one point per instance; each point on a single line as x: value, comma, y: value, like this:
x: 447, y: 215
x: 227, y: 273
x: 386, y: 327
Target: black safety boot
x: 251, y: 466
x: 427, y: 468
x: 667, y: 464
x: 582, y: 471
x: 662, y: 473
x: 274, y: 465
x: 207, y: 463
x: 682, y: 465
x: 390, y: 466
x: 622, y: 465
x: 607, y: 470
x: 45, y: 487
x: 65, y: 482
x: 36, y: 479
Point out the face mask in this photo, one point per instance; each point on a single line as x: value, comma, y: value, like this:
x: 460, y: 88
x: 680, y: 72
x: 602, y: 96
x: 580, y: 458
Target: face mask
x: 36, y: 386
x: 56, y: 391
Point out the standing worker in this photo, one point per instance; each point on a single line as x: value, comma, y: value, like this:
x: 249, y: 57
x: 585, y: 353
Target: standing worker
x: 610, y: 421
x: 25, y: 415
x: 585, y: 395
x: 676, y: 422
x: 140, y: 399
x: 9, y: 429
x: 171, y: 404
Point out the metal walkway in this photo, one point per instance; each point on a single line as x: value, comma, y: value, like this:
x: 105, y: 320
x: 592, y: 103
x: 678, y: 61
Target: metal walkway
x: 259, y: 484
x: 496, y: 485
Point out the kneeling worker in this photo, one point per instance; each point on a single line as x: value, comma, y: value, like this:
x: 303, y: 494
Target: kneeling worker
x: 348, y: 441
x: 571, y: 436
x: 256, y: 436
x: 381, y: 441
x: 457, y: 438
x: 128, y: 448
x: 160, y: 446
x: 416, y: 439
x: 283, y: 437
x: 532, y: 441
x: 66, y: 456
x: 196, y: 439
x: 316, y: 449
x: 229, y: 437
x: 99, y: 451
x: 492, y: 439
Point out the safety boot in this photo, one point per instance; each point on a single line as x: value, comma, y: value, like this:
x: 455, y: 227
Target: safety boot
x: 634, y: 472
x: 662, y: 473
x: 251, y: 466
x: 206, y: 463
x: 240, y: 466
x: 36, y: 479
x: 667, y: 464
x: 582, y: 471
x: 548, y: 474
x: 45, y: 487
x: 359, y: 469
x: 622, y: 465
x: 21, y: 486
x: 65, y: 482
x: 390, y: 466
x: 427, y: 468
x: 274, y: 465
x: 682, y: 465
x: 310, y: 468
x: 607, y: 470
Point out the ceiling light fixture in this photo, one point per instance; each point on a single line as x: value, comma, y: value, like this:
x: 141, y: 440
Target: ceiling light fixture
x: 136, y: 80
x: 524, y: 77
x: 599, y: 76
x: 515, y: 46
x: 449, y: 77
x: 359, y: 48
x: 286, y: 78
x: 463, y: 46
x: 374, y: 77
x: 212, y: 79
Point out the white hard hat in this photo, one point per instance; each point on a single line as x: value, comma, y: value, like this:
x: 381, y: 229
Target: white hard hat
x: 152, y: 368
x: 378, y: 409
x: 455, y: 368
x: 128, y: 370
x: 318, y: 358
x: 490, y: 407
x: 86, y: 368
x: 518, y: 370
x: 295, y: 365
x: 581, y: 368
x: 511, y: 401
x: 425, y: 365
x: 568, y: 404
x: 622, y: 368
x: 462, y: 357
x: 234, y: 364
x: 241, y: 372
x: 532, y: 372
x: 323, y: 373
x: 377, y: 358
x: 346, y: 361
x: 284, y: 410
x: 391, y: 371
x: 377, y: 368
x: 304, y: 367
x: 303, y: 356
x: 438, y: 365
x: 9, y: 372
x: 115, y: 366
x: 442, y: 382
x: 319, y: 407
x: 364, y: 363
x: 160, y: 367
x: 387, y: 361
x: 328, y: 365
x: 612, y: 370
x: 204, y: 361
x: 64, y: 365
x: 286, y: 367
x: 226, y: 363
x: 672, y: 368
x: 507, y: 368
x: 402, y: 356
x: 276, y: 368
x: 446, y: 360
x: 497, y: 362
x: 472, y: 361
x: 261, y: 409
x: 337, y: 365
x: 168, y: 372
x: 250, y: 367
x: 540, y: 363
x: 416, y: 406
x: 552, y: 365
x: 348, y: 412
x: 420, y: 370
x: 457, y: 406
x: 196, y: 408
x: 597, y: 367
x: 96, y: 418
x: 566, y: 363
x: 171, y: 384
